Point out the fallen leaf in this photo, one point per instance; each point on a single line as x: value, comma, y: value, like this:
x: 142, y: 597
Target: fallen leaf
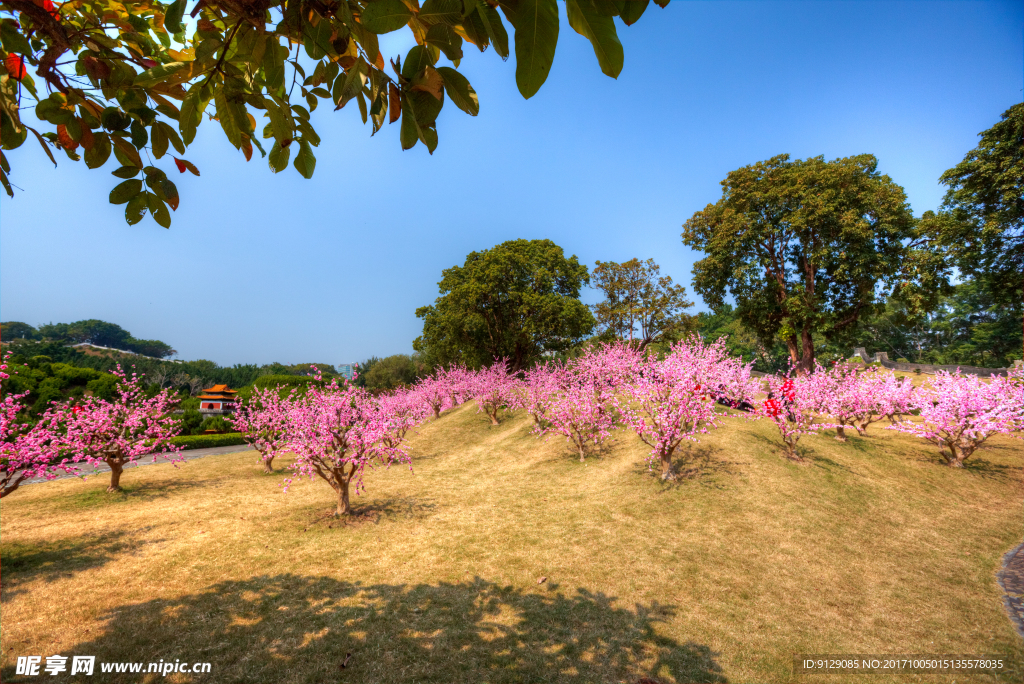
x: 542, y: 580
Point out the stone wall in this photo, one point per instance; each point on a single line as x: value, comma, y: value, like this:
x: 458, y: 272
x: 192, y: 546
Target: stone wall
x: 882, y: 358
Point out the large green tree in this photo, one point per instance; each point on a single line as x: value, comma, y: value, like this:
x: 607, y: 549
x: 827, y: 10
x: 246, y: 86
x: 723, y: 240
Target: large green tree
x: 125, y: 77
x: 802, y: 247
x: 515, y: 301
x: 981, y: 223
x: 640, y: 304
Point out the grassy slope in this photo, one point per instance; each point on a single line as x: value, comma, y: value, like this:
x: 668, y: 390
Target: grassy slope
x: 871, y: 548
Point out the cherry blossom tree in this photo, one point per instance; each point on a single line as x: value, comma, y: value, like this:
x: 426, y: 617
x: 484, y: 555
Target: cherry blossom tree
x: 263, y: 422
x: 494, y: 388
x: 583, y: 410
x: 120, y: 431
x: 672, y: 400
x: 538, y: 390
x: 791, y: 405
x: 435, y: 392
x: 336, y: 434
x: 26, y: 451
x: 959, y: 413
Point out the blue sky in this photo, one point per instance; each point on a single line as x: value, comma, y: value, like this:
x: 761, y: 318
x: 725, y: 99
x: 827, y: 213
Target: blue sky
x: 259, y: 268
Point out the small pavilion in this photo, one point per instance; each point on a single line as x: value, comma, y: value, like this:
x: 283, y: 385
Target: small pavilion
x: 217, y: 400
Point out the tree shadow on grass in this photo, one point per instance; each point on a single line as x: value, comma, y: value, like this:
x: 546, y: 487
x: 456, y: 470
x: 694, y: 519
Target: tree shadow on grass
x: 694, y: 463
x: 97, y: 496
x: 49, y: 561
x: 291, y: 628
x: 392, y: 509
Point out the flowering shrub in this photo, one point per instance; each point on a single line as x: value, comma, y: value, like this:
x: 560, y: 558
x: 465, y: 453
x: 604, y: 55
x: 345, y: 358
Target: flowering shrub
x: 337, y: 433
x: 673, y: 400
x: 493, y: 389
x: 26, y: 451
x: 959, y: 413
x: 791, y: 405
x: 263, y: 422
x: 120, y: 431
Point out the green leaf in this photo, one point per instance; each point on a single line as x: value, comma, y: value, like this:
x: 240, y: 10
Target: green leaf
x: 317, y: 39
x: 495, y: 29
x: 158, y: 209
x: 151, y: 77
x: 46, y: 148
x: 417, y: 59
x: 228, y: 122
x: 136, y: 209
x: 126, y: 152
x: 346, y: 88
x: 168, y: 192
x: 459, y: 90
x: 632, y: 11
x: 599, y: 29
x: 140, y: 136
x: 99, y: 153
x: 13, y: 40
x: 172, y: 136
x: 172, y: 20
x: 160, y: 142
x: 441, y: 12
x: 536, y: 39
x: 125, y: 191
x: 410, y: 131
x: 385, y: 16
x: 192, y: 109
x: 278, y: 157
x: 281, y: 121
x: 305, y: 162
x: 126, y: 172
x: 273, y: 63
x: 446, y: 39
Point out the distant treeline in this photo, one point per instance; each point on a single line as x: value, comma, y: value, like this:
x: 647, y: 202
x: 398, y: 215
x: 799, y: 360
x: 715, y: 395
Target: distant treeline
x: 92, y: 331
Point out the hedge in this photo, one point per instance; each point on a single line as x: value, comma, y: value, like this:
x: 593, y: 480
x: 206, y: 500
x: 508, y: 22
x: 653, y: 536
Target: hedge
x: 207, y: 441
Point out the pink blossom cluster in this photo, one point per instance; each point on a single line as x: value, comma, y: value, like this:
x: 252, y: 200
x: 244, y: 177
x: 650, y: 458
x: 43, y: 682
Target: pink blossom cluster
x: 493, y: 388
x: 671, y: 401
x: 263, y: 422
x: 26, y: 451
x: 958, y: 413
x: 856, y: 398
x: 792, y: 403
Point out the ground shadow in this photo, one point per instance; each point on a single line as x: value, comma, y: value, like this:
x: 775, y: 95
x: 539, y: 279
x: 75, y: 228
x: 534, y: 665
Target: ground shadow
x: 52, y: 560
x: 396, y: 508
x: 291, y: 628
x: 693, y: 463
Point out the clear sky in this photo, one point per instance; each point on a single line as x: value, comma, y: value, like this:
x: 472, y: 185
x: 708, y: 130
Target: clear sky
x: 259, y: 268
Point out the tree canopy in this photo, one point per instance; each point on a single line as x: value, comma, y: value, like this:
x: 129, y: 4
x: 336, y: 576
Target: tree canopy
x: 516, y: 301
x: 128, y: 78
x: 981, y: 225
x: 640, y: 304
x: 92, y: 331
x: 802, y: 246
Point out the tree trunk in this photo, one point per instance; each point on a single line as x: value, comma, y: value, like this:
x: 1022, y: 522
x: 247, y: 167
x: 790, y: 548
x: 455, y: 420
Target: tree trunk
x: 344, y: 508
x: 9, y: 486
x: 116, y: 469
x: 666, y: 467
x: 807, y: 355
x: 437, y: 412
x: 840, y: 433
x: 583, y: 453
x: 493, y: 416
x: 794, y: 350
x: 268, y: 465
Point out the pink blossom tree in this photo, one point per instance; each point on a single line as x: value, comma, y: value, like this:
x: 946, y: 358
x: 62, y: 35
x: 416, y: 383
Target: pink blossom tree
x: 494, y: 388
x: 263, y: 422
x: 671, y: 401
x: 336, y: 434
x: 583, y: 410
x: 26, y: 450
x: 539, y: 388
x: 959, y: 413
x: 435, y: 392
x: 791, y: 405
x: 120, y: 431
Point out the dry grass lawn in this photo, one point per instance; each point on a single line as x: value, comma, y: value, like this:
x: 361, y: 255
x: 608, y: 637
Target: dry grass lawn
x: 871, y: 547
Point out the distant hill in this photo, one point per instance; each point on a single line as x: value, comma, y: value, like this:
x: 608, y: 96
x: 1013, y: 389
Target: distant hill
x: 92, y: 332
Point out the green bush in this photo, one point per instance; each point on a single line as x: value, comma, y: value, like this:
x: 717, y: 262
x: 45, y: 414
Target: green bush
x: 207, y: 441
x: 212, y: 423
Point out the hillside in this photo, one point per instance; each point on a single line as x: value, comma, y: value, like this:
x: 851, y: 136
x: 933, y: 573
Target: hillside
x: 873, y: 547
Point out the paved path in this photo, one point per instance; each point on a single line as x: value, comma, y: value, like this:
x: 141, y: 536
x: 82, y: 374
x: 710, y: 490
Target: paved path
x: 86, y: 469
x: 1011, y: 579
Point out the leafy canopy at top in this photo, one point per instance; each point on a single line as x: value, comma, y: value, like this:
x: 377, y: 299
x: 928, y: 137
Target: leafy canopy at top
x: 125, y: 78
x: 516, y: 301
x: 802, y: 247
x: 981, y: 225
x: 640, y: 304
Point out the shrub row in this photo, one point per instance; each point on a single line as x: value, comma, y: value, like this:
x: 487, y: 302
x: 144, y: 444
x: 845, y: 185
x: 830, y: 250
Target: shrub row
x: 207, y: 441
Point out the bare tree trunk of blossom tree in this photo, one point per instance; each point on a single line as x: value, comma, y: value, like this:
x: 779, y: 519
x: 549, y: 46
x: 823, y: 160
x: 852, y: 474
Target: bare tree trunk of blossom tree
x: 840, y: 433
x: 116, y: 468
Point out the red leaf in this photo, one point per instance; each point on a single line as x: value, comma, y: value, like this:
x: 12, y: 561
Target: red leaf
x: 184, y: 164
x: 180, y: 164
x: 15, y: 67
